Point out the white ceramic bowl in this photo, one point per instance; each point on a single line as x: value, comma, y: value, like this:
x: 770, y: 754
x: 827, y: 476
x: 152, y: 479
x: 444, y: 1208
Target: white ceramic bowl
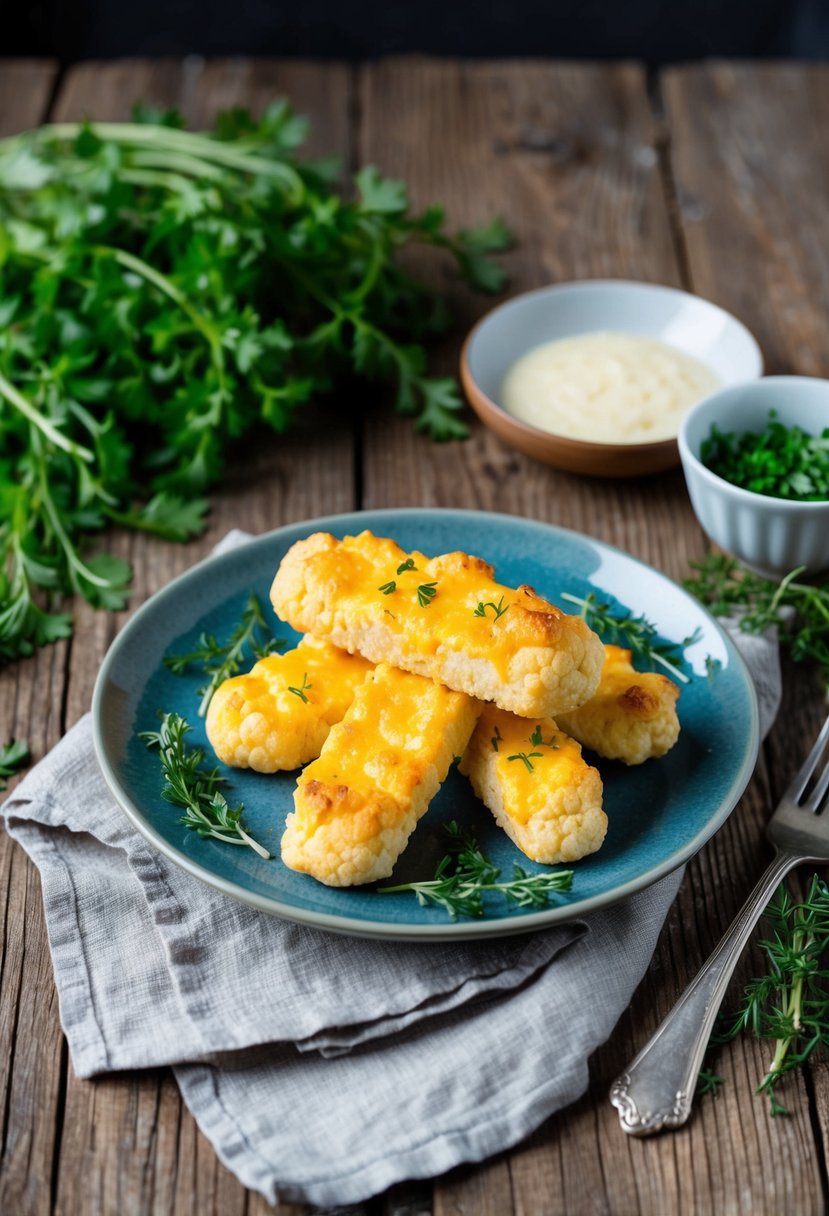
x: 771, y: 536
x: 691, y: 324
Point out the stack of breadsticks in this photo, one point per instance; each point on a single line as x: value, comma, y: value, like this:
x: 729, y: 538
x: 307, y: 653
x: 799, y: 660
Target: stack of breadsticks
x: 409, y: 664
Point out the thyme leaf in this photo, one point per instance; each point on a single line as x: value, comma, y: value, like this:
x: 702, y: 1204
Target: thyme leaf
x: 426, y: 592
x: 300, y: 692
x: 636, y: 633
x: 13, y: 756
x: 465, y: 875
x: 498, y: 609
x: 194, y: 788
x: 221, y: 660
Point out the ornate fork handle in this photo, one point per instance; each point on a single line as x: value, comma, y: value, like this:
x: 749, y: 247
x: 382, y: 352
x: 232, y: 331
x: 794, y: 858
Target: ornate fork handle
x: 657, y: 1091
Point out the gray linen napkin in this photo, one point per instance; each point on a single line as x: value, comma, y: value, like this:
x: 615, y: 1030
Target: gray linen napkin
x: 322, y: 1068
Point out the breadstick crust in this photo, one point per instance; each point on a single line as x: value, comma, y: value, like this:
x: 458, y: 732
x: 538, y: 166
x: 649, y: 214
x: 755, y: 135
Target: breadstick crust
x: 632, y: 717
x: 520, y: 652
x: 267, y: 721
x: 553, y: 810
x: 357, y: 805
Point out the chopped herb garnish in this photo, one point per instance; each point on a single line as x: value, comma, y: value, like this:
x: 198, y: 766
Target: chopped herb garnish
x: 408, y: 564
x: 13, y: 756
x: 496, y: 739
x: 195, y: 788
x: 780, y: 461
x: 498, y: 609
x: 636, y: 633
x: 465, y: 875
x: 527, y: 759
x: 221, y: 660
x: 300, y: 692
x: 538, y: 740
x: 388, y: 588
x: 426, y: 592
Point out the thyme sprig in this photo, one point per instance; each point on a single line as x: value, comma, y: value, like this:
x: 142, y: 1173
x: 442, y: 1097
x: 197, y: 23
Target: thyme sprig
x: 789, y: 1004
x: 636, y: 633
x: 464, y: 876
x: 498, y: 609
x: 13, y: 756
x: 188, y: 784
x: 303, y: 688
x: 527, y: 759
x: 221, y: 660
x: 799, y: 610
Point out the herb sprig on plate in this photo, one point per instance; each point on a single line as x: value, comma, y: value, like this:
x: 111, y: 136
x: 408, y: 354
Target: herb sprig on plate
x: 221, y: 660
x: 636, y: 633
x: 163, y: 292
x: 195, y: 788
x: 465, y: 876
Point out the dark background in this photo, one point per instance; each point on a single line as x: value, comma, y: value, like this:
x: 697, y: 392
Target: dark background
x: 652, y: 30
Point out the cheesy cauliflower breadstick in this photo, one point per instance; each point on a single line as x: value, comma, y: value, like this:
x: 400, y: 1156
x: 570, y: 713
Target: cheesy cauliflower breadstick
x: 632, y: 715
x: 443, y: 617
x: 358, y: 803
x: 277, y: 716
x: 533, y: 778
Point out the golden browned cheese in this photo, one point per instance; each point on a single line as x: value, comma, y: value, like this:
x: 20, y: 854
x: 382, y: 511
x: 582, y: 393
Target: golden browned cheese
x: 444, y: 617
x: 632, y: 716
x: 358, y: 803
x: 533, y: 778
x: 277, y: 716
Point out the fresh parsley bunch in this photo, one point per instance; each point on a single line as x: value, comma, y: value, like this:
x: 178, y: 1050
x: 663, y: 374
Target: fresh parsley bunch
x: 161, y: 293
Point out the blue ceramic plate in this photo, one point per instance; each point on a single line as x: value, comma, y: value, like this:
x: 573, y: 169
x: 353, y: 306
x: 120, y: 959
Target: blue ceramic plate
x: 660, y: 813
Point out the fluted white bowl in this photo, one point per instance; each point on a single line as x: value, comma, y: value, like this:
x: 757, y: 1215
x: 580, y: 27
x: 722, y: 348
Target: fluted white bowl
x: 771, y: 536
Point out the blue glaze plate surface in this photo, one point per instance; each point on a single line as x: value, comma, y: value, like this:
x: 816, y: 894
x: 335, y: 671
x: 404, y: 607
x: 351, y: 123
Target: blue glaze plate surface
x: 660, y: 813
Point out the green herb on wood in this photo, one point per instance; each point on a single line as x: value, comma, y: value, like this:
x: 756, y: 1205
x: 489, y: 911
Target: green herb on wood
x: 799, y: 610
x: 465, y: 876
x: 221, y: 660
x: 194, y: 788
x: 780, y: 461
x: 162, y: 294
x: 635, y: 633
x: 787, y: 1005
x: 14, y: 755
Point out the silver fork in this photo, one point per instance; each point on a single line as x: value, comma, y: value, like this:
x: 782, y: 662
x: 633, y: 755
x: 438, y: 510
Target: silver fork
x: 657, y: 1090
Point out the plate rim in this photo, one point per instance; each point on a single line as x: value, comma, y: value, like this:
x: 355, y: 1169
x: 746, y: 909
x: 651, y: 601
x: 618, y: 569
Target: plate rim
x: 459, y: 930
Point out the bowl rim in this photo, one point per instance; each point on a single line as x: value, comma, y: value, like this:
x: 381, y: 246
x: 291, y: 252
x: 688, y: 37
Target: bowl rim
x: 747, y: 497
x: 567, y: 442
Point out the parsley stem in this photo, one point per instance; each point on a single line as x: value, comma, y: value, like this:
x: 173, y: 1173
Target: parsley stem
x: 47, y: 429
x: 199, y: 145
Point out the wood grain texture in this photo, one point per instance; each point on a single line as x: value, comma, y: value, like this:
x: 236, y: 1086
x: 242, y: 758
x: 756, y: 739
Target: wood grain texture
x: 31, y: 1066
x: 570, y: 155
x: 748, y: 157
x: 567, y: 155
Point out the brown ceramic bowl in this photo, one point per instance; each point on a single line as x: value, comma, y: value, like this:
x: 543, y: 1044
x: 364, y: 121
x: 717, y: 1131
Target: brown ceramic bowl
x: 691, y: 324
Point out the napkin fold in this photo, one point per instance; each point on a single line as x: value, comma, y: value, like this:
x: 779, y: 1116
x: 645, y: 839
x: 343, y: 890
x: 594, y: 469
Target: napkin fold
x: 322, y: 1068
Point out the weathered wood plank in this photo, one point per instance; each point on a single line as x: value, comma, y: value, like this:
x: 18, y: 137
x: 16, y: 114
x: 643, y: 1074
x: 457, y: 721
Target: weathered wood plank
x: 31, y: 1066
x: 567, y: 155
x: 748, y: 155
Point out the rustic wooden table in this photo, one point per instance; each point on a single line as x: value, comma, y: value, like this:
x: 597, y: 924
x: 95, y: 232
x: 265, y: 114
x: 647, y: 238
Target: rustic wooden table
x: 712, y: 177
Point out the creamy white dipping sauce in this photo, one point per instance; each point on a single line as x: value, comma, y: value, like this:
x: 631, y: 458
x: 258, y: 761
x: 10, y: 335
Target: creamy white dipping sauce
x: 606, y: 387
